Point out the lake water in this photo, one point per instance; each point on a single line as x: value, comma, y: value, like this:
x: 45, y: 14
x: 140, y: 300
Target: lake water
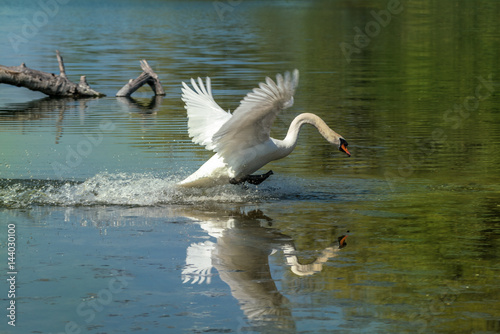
x: 105, y: 243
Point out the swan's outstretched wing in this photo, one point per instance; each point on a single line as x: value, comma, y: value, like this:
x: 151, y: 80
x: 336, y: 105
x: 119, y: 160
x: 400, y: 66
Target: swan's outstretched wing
x: 251, y: 122
x: 205, y: 117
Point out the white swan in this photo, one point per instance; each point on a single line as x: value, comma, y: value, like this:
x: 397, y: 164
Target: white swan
x: 241, y: 140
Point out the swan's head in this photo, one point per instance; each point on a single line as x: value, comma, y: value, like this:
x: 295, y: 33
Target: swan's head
x: 343, y: 146
x: 307, y: 118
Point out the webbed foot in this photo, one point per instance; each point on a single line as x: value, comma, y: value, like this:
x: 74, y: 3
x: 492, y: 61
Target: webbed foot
x: 258, y: 179
x: 252, y: 179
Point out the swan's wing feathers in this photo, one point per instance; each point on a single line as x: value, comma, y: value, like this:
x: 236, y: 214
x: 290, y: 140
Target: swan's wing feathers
x: 251, y: 122
x: 270, y: 97
x: 205, y: 116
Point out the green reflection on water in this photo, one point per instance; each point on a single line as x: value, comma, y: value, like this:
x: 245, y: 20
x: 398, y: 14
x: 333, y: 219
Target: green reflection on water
x: 418, y: 104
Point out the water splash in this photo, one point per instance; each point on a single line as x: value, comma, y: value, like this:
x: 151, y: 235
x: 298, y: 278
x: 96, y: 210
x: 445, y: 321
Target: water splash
x: 136, y: 189
x: 123, y: 189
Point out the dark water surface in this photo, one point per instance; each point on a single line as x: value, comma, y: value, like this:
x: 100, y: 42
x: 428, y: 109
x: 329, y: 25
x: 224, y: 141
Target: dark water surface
x: 105, y: 243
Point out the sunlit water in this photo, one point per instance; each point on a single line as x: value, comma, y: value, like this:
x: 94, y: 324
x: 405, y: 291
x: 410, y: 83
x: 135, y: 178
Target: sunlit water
x: 106, y: 243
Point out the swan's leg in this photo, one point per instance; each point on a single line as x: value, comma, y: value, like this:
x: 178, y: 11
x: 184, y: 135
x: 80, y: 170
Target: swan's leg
x: 258, y: 179
x: 252, y: 179
x: 234, y: 181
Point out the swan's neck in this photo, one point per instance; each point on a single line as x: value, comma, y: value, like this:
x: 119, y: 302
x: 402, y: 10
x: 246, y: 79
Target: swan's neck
x: 290, y: 140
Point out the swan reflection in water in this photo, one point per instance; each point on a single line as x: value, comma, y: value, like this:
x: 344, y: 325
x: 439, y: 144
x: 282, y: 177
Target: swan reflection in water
x: 241, y: 257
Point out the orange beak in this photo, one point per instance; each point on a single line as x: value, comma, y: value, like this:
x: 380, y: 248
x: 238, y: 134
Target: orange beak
x: 342, y: 242
x: 343, y: 148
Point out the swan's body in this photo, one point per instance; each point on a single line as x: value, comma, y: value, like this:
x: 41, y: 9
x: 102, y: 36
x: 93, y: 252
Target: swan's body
x: 242, y: 140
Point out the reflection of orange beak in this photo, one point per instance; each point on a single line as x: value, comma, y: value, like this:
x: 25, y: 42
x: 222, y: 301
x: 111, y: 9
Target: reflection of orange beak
x: 344, y: 149
x: 342, y: 242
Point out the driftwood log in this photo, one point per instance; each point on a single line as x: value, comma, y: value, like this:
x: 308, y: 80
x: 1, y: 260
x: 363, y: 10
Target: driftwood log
x: 148, y: 76
x: 47, y: 83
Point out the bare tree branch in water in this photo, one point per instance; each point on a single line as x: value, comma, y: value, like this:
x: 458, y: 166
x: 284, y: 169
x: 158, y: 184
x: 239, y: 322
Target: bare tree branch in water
x: 147, y: 76
x: 47, y: 83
